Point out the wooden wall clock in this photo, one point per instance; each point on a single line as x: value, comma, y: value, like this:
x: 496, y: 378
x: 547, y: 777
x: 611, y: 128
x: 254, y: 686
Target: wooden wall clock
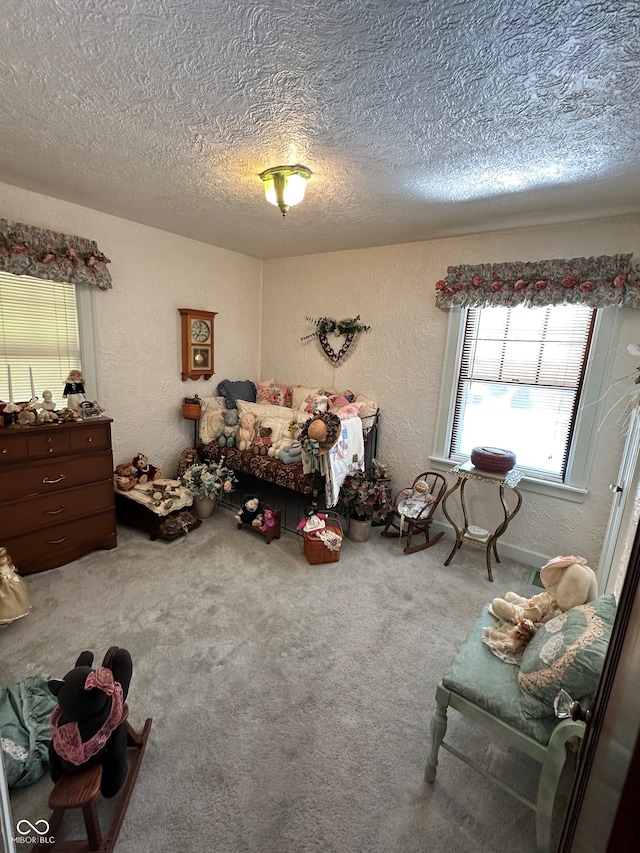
x: 197, y: 343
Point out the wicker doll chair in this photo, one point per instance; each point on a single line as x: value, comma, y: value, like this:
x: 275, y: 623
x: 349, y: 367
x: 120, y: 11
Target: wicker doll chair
x: 399, y: 525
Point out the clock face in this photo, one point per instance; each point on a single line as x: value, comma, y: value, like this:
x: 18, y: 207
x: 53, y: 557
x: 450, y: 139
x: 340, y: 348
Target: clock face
x: 200, y: 331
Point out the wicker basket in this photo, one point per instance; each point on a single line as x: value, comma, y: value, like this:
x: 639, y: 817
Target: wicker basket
x: 191, y: 411
x: 315, y: 549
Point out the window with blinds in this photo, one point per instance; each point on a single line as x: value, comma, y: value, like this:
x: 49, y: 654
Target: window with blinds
x: 38, y: 330
x: 521, y: 373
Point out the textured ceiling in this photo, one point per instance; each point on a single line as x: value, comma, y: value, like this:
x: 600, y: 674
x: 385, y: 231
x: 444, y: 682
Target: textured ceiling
x: 417, y: 119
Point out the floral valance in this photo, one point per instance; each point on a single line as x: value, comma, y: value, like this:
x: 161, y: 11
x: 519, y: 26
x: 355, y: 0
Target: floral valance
x: 27, y: 250
x: 595, y: 282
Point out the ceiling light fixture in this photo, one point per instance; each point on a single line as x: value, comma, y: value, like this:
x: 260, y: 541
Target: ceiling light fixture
x: 284, y: 186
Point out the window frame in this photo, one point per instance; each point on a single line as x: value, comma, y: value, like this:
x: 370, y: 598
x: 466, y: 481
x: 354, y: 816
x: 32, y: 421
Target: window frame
x: 581, y: 451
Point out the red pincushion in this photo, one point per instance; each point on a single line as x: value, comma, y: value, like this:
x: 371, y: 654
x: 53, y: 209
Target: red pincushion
x: 494, y: 460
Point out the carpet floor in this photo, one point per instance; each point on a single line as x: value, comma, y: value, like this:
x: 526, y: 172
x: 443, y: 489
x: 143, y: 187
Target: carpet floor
x: 290, y: 703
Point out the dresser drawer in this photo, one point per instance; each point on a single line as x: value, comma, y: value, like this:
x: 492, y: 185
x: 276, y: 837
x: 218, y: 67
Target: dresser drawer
x: 33, y: 513
x: 51, y: 475
x: 13, y: 446
x: 90, y: 437
x: 49, y: 443
x: 62, y: 538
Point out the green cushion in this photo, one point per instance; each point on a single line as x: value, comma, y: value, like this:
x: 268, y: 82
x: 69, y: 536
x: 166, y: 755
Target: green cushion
x: 566, y: 652
x: 482, y: 678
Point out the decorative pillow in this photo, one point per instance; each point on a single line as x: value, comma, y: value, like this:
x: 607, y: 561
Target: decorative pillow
x: 369, y: 408
x: 212, y: 403
x: 566, y: 652
x: 234, y: 391
x: 351, y: 410
x: 298, y: 394
x: 264, y: 410
x: 275, y: 395
x: 314, y: 404
x: 337, y: 401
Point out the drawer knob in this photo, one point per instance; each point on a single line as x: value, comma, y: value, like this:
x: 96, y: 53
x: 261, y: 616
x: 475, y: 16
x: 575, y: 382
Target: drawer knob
x: 54, y: 511
x: 49, y: 482
x: 4, y: 449
x: 56, y: 541
x: 90, y: 440
x: 49, y: 439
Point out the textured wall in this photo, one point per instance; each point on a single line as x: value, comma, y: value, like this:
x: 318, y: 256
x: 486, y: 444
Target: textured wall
x: 138, y: 326
x: 399, y: 361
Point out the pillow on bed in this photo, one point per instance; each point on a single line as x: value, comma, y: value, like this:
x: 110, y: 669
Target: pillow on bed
x: 264, y: 410
x: 298, y: 393
x: 275, y: 395
x: 314, y: 403
x: 212, y: 403
x: 566, y: 652
x: 234, y: 391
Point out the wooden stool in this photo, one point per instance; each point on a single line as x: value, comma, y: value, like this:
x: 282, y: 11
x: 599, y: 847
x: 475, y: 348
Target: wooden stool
x: 80, y: 790
x: 77, y: 791
x: 270, y: 533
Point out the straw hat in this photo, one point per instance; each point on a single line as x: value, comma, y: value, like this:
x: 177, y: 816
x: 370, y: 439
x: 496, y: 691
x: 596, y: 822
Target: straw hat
x: 324, y: 428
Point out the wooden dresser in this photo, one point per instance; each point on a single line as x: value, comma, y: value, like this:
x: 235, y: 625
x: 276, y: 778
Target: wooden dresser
x: 56, y: 493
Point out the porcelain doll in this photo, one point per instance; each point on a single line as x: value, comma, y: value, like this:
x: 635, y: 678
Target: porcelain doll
x: 74, y: 390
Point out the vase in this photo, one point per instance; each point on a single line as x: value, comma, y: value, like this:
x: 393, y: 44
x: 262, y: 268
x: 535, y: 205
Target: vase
x: 359, y: 530
x: 203, y: 507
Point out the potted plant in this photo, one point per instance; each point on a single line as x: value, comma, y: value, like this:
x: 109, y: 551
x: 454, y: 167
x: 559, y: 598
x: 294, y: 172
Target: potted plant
x: 363, y: 499
x: 208, y: 481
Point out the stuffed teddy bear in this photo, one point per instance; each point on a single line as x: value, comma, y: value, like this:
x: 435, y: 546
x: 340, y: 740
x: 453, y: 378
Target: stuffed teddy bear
x: 188, y: 457
x: 125, y: 476
x: 86, y: 725
x: 228, y: 436
x: 145, y: 472
x: 246, y: 430
x: 251, y: 511
x: 261, y: 443
x: 568, y: 582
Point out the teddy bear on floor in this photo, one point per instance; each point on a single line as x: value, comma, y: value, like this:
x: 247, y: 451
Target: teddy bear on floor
x: 125, y: 476
x: 86, y: 724
x: 246, y: 430
x: 251, y: 512
x: 568, y: 582
x: 228, y: 436
x: 145, y: 472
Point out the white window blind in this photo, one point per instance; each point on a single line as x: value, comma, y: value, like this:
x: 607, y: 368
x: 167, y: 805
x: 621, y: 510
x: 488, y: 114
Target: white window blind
x: 521, y: 373
x: 38, y: 329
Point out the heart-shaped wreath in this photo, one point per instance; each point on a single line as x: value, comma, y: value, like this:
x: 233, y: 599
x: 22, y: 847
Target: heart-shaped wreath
x: 326, y: 326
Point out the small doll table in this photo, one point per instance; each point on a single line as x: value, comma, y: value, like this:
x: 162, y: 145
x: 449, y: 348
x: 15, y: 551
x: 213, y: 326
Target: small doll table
x: 137, y: 508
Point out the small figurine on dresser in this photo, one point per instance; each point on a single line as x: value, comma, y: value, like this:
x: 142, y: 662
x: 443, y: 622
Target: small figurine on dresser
x: 48, y: 402
x: 47, y: 409
x: 74, y: 390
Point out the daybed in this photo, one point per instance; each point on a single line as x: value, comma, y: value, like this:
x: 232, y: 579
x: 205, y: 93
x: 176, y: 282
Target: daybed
x: 280, y: 410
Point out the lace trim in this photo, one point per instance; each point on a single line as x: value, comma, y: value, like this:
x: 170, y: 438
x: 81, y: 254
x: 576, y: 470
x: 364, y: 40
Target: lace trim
x: 555, y: 671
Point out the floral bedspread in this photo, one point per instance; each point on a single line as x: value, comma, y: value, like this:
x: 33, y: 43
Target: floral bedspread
x: 265, y: 468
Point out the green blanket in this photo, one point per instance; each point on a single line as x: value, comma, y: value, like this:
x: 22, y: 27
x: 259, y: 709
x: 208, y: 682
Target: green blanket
x: 25, y: 709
